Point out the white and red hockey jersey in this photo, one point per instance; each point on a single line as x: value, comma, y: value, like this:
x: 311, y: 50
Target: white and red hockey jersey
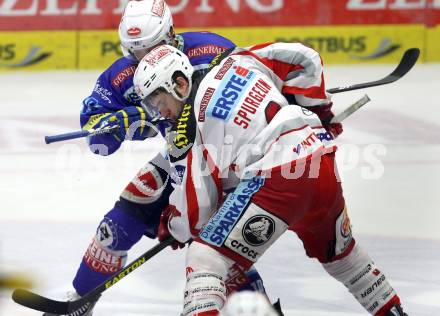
x: 243, y: 126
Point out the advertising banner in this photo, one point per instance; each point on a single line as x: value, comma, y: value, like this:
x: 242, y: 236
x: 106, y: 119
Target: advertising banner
x: 214, y: 13
x: 339, y: 44
x: 98, y: 49
x: 105, y: 14
x: 37, y: 50
x: 82, y: 34
x: 336, y: 44
x: 25, y: 15
x: 433, y: 44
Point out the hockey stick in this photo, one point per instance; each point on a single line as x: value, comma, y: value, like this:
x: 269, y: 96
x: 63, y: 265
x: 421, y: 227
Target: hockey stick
x: 408, y: 60
x: 44, y: 304
x: 79, y: 134
x: 350, y: 110
x: 92, y: 132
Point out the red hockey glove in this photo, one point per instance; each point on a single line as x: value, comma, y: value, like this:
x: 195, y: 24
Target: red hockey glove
x: 163, y: 231
x: 325, y: 114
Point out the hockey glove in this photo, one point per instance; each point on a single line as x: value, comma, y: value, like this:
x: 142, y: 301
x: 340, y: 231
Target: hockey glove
x: 325, y: 114
x: 132, y: 122
x: 163, y: 231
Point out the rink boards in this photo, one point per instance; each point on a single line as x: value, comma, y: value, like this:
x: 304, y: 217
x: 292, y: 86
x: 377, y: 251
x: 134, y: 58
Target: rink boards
x: 96, y: 49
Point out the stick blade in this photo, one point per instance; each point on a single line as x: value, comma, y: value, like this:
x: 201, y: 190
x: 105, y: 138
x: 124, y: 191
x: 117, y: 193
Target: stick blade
x: 409, y: 59
x: 407, y: 62
x: 40, y: 303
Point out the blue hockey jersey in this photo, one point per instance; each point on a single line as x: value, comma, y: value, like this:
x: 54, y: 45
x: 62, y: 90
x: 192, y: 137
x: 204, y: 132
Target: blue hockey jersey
x: 114, y: 88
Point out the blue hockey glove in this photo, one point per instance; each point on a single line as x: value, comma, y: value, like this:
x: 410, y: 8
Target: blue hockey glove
x: 133, y: 124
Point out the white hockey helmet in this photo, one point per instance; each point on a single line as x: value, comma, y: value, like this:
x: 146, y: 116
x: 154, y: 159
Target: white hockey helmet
x: 247, y: 303
x: 145, y: 24
x: 156, y: 71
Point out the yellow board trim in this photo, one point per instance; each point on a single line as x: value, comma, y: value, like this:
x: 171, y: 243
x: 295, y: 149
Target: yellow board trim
x: 42, y: 50
x: 433, y: 44
x: 347, y: 44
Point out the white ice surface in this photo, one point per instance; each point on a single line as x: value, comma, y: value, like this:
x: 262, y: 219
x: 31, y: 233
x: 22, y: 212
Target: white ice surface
x: 53, y: 196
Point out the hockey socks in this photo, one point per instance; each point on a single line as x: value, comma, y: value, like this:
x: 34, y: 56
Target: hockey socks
x: 107, y: 252
x: 365, y: 281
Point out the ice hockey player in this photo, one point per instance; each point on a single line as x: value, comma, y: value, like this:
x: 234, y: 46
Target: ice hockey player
x: 236, y: 132
x: 113, y: 102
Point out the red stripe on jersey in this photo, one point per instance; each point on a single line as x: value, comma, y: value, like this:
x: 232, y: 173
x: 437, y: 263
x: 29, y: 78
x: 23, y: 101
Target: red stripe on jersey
x: 260, y: 46
x: 191, y: 198
x: 214, y: 172
x: 314, y: 92
x: 264, y: 61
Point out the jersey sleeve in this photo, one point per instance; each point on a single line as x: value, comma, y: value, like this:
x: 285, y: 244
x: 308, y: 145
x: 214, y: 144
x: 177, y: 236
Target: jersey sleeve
x: 298, y: 69
x: 113, y: 91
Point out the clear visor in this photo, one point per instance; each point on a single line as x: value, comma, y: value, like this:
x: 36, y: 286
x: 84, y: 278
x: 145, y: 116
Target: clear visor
x: 152, y: 110
x: 152, y: 103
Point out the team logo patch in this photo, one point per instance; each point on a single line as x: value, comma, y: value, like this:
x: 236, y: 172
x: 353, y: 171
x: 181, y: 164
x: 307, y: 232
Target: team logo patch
x: 255, y: 232
x: 177, y: 173
x: 258, y: 230
x: 343, y: 232
x: 133, y: 31
x: 345, y: 226
x: 106, y: 234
